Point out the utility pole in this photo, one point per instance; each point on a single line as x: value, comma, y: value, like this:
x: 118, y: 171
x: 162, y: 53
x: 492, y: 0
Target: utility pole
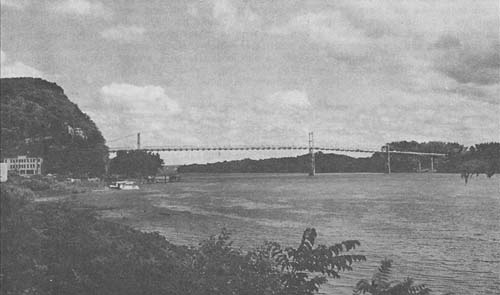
x: 139, y: 141
x: 388, y: 159
x: 432, y: 164
x: 312, y: 172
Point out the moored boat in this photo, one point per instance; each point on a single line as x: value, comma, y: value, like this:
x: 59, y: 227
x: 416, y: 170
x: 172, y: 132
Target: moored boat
x: 124, y: 185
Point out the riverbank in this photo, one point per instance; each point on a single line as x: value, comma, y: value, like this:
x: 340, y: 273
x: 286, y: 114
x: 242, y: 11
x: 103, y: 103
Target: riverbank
x: 422, y: 222
x: 61, y: 246
x: 135, y: 209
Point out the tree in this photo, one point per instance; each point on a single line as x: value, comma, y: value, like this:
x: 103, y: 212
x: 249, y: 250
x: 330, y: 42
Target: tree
x: 135, y: 163
x: 482, y: 158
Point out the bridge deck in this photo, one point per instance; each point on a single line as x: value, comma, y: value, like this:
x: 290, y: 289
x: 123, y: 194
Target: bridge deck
x: 263, y: 148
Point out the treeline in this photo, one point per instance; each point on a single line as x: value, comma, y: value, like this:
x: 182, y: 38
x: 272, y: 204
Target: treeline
x: 481, y: 158
x: 301, y: 164
x: 38, y: 120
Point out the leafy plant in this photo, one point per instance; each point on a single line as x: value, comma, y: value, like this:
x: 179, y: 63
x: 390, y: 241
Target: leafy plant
x: 381, y: 284
x: 304, y: 268
x: 223, y: 269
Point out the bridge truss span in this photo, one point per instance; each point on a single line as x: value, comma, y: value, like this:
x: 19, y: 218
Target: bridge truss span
x: 207, y: 148
x: 263, y: 148
x: 311, y: 148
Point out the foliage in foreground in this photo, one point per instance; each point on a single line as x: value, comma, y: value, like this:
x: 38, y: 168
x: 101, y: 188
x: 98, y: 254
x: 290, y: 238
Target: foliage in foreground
x: 51, y: 248
x: 271, y: 269
x: 381, y: 284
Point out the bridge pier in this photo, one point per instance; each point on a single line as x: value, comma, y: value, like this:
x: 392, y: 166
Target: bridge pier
x: 312, y: 172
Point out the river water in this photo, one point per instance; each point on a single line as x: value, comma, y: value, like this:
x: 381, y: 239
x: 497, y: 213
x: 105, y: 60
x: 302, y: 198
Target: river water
x: 435, y: 228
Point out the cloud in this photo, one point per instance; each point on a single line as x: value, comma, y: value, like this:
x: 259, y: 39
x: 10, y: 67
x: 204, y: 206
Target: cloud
x: 421, y: 49
x: 82, y: 8
x: 329, y: 28
x: 229, y: 16
x: 471, y: 64
x: 18, y: 4
x: 139, y: 100
x: 193, y: 9
x: 481, y: 93
x: 363, y: 71
x: 124, y: 33
x: 125, y: 109
x: 434, y: 32
x: 235, y: 19
x: 423, y: 20
x: 17, y: 69
x: 290, y: 99
x: 447, y: 42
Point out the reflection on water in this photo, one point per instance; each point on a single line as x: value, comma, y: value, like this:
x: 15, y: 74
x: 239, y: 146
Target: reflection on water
x: 435, y: 228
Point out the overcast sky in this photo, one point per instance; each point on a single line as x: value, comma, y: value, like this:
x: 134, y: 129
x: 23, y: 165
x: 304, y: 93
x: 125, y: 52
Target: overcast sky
x: 217, y: 72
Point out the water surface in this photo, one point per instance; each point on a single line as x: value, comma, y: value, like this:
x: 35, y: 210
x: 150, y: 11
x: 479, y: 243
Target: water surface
x: 435, y: 228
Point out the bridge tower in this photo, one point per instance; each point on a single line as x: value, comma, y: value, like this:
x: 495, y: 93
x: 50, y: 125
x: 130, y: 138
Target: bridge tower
x: 388, y: 148
x: 312, y: 172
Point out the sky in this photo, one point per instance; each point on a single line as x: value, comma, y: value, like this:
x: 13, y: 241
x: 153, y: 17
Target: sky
x: 235, y: 72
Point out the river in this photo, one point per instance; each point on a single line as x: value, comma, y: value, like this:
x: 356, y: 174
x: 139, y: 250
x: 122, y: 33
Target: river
x: 435, y: 228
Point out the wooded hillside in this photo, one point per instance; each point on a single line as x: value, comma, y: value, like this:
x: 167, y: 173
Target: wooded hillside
x: 38, y: 119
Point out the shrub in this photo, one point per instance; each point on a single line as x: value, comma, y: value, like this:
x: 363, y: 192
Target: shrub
x: 270, y: 269
x: 35, y: 185
x: 20, y: 270
x: 381, y: 284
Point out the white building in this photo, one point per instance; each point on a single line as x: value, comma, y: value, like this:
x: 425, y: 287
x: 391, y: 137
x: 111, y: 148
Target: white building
x: 3, y: 172
x: 23, y: 165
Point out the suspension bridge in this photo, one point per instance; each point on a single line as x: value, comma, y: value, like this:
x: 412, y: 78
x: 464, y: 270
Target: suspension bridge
x: 310, y: 147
